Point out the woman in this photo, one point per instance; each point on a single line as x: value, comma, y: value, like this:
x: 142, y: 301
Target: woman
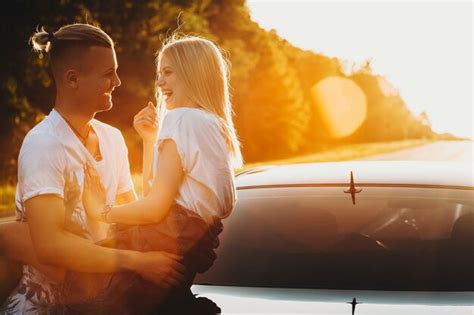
x: 195, y: 153
x: 197, y: 146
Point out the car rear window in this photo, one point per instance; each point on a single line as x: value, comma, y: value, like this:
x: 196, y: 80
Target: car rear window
x: 392, y: 238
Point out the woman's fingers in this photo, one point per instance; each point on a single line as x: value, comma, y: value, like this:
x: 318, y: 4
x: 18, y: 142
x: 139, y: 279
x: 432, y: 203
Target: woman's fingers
x: 151, y: 114
x: 86, y: 178
x: 92, y: 178
x: 151, y: 106
x: 91, y: 174
x: 149, y: 110
x: 139, y: 119
x: 146, y: 118
x: 146, y: 121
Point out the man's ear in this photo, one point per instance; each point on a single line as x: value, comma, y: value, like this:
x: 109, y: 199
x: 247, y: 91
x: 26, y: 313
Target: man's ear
x: 70, y: 78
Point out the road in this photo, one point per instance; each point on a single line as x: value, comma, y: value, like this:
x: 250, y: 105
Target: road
x: 459, y: 151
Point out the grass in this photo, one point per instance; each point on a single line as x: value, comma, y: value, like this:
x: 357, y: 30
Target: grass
x: 348, y: 152
x: 7, y: 200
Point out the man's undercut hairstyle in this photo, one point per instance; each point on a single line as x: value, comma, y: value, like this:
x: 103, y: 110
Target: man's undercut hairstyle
x: 69, y: 43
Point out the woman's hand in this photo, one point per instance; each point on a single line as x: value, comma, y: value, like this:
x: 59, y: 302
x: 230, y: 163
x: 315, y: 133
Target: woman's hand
x: 145, y: 123
x: 94, y: 194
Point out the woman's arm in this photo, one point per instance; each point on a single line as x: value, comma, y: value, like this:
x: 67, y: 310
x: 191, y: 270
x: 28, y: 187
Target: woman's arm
x: 152, y: 208
x: 145, y: 123
x: 147, y: 166
x: 126, y: 197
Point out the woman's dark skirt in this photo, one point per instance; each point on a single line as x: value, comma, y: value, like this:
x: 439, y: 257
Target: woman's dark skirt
x: 182, y: 232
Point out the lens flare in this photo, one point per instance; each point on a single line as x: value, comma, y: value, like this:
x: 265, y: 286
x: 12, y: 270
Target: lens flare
x: 342, y: 105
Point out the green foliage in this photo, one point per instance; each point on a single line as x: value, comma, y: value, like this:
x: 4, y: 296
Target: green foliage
x: 388, y: 118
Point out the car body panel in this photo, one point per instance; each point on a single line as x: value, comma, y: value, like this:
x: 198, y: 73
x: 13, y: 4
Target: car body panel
x: 373, y: 172
x: 275, y: 300
x: 423, y: 186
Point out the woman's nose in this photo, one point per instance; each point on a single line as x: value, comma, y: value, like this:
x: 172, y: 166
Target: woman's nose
x: 160, y: 82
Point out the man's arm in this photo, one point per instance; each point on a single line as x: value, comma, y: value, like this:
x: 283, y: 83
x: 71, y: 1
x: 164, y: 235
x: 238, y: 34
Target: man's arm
x: 55, y: 246
x: 16, y: 243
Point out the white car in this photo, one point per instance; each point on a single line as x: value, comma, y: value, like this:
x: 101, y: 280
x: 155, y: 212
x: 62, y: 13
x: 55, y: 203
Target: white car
x: 392, y: 238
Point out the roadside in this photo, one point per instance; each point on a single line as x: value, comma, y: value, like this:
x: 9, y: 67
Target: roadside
x: 349, y: 152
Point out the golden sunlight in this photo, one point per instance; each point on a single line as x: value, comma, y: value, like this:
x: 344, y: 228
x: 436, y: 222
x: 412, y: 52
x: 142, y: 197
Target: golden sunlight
x: 421, y: 71
x: 342, y: 105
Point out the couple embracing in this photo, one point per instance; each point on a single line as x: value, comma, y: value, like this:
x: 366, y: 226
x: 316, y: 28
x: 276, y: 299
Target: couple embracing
x: 88, y: 244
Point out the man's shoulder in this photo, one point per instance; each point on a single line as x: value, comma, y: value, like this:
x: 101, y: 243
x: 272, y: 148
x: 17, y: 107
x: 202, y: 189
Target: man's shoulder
x: 40, y: 145
x: 44, y: 133
x: 108, y: 129
x: 111, y: 137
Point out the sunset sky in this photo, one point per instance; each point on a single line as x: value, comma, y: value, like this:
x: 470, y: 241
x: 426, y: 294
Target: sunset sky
x: 423, y: 48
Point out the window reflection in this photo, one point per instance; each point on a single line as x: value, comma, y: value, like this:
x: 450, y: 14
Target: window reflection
x: 392, y: 239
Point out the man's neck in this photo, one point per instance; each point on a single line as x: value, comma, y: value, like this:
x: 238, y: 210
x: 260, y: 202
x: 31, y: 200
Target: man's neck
x: 75, y: 116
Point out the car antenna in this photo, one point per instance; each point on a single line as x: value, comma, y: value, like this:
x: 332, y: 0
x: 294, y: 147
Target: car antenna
x: 354, y: 304
x: 352, y: 189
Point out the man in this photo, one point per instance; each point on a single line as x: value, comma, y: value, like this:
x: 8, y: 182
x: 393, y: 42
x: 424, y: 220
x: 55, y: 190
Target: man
x: 58, y: 234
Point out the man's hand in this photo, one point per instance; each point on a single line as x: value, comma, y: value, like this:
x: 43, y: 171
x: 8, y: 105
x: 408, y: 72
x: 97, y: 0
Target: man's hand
x: 160, y: 268
x: 204, y: 257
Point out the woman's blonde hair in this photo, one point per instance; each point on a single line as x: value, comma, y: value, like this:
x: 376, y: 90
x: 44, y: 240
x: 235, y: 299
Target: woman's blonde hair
x: 204, y: 73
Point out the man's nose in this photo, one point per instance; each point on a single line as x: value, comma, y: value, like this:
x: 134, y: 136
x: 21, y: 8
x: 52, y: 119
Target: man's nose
x: 117, y: 81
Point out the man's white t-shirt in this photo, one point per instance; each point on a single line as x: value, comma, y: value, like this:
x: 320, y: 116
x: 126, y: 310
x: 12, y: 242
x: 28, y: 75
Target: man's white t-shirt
x: 208, y: 185
x: 51, y: 161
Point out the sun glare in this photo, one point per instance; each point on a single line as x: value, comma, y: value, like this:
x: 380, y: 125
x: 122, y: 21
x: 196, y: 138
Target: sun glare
x: 423, y: 49
x: 342, y: 105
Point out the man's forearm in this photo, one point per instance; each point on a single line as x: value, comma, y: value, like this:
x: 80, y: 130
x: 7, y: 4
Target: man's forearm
x: 16, y: 243
x: 78, y: 254
x: 56, y: 246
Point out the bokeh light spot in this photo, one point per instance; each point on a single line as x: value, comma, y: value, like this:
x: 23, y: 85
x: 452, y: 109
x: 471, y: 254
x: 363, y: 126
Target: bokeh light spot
x: 342, y: 105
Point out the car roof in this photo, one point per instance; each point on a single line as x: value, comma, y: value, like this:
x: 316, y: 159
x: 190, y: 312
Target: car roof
x: 364, y: 172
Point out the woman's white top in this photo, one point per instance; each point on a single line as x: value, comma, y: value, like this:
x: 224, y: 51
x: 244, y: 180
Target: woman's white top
x: 208, y: 185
